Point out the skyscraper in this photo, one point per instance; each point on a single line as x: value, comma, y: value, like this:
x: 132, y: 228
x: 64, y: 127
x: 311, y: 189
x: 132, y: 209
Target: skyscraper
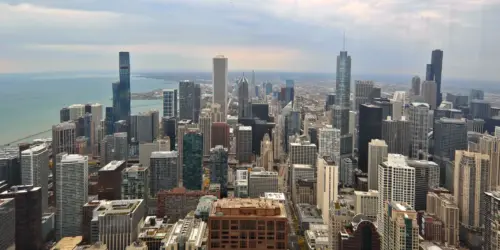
x: 164, y: 171
x: 135, y: 184
x: 491, y: 221
x: 401, y: 228
x: 186, y: 100
x: 219, y: 168
x: 436, y: 70
x: 490, y: 145
x: 396, y: 133
x: 365, y: 91
x: 120, y: 147
x: 121, y: 91
x: 169, y: 102
x: 426, y: 178
x: 169, y: 125
x: 342, y: 103
x: 219, y: 80
x: 244, y: 144
x: 8, y: 218
x: 327, y: 184
x: 63, y: 140
x: 34, y: 168
x: 329, y: 142
x: 244, y: 107
x: 72, y: 185
x: 419, y: 129
x: 206, y: 131
x: 415, y: 85
x: 192, y: 169
x: 449, y: 135
x: 370, y: 128
x: 377, y: 153
x: 220, y: 134
x: 289, y: 91
x: 429, y: 93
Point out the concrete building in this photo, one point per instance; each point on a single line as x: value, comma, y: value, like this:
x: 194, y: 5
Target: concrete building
x: 367, y: 203
x: 220, y: 80
x: 489, y: 145
x: 8, y: 218
x: 220, y: 134
x: 34, y: 170
x: 339, y: 215
x: 429, y: 92
x: 118, y: 222
x: 329, y: 142
x: 298, y: 172
x: 110, y: 180
x: 261, y: 181
x: 142, y: 127
x: 401, y: 228
x: 449, y: 135
x: 219, y: 168
x: 145, y: 150
x: 189, y: 101
x: 120, y: 146
x: 206, y: 131
x: 244, y: 144
x: 266, y: 215
x: 135, y: 182
x: 370, y: 128
x: 317, y: 237
x: 187, y: 233
x: 10, y: 165
x: 305, y: 191
x: 90, y: 233
x: 396, y: 133
x: 364, y: 93
x: 442, y: 207
x: 348, y: 165
x: 415, y: 85
x: 359, y: 233
x: 303, y: 152
x: 396, y: 182
x: 170, y: 102
x: 63, y: 140
x: 491, y: 220
x: 327, y: 185
x: 426, y: 178
x: 480, y: 109
x: 72, y: 185
x: 307, y: 215
x: 377, y: 153
x: 419, y: 128
x: 76, y: 111
x: 27, y: 216
x: 178, y: 202
x: 163, y: 171
x: 266, y: 153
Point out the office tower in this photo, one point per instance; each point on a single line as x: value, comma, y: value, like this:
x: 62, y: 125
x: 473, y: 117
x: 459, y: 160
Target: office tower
x: 120, y: 147
x: 266, y: 153
x: 346, y: 171
x: 28, y: 215
x: 109, y: 121
x: 8, y: 218
x: 107, y: 149
x: 260, y: 111
x: 192, y: 169
x: 377, y: 153
x: 220, y: 134
x: 216, y: 113
x: 429, y: 92
x: 72, y: 185
x: 64, y: 115
x: 155, y: 117
x: 261, y: 181
x: 342, y: 103
x: 121, y: 90
x: 110, y: 180
x: 442, y: 208
x: 169, y: 125
x: 118, y: 222
x: 491, y: 220
x: 415, y: 85
x: 480, y: 109
x: 370, y: 128
x: 34, y: 170
x: 76, y: 111
x: 244, y: 106
x: 330, y: 100
x: 178, y: 202
x: 419, y: 129
x: 489, y: 145
x: 476, y: 125
x: 219, y: 168
x: 363, y: 236
x: 449, y: 135
x: 197, y: 103
x: 305, y: 191
x: 396, y: 133
x: 219, y: 80
x: 426, y: 178
x: 433, y: 72
x: 135, y: 182
x: 186, y: 100
x: 299, y: 172
x: 206, y: 131
x: 303, y: 153
x: 88, y: 234
x: 337, y: 217
x: 396, y: 182
x: 244, y: 144
x: 470, y: 182
x: 170, y: 102
x: 327, y: 184
x: 163, y: 171
x: 183, y: 127
x: 364, y: 93
x: 475, y: 94
x: 121, y: 126
x: 63, y: 138
x: 145, y: 150
x: 142, y: 127
x: 385, y: 104
x: 401, y: 228
x: 271, y: 214
x: 329, y: 142
x: 10, y: 165
x: 366, y: 203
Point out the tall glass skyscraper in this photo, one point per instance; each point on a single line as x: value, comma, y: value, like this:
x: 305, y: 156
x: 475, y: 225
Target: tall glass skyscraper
x: 433, y: 72
x: 121, y: 90
x: 192, y: 161
x: 340, y: 111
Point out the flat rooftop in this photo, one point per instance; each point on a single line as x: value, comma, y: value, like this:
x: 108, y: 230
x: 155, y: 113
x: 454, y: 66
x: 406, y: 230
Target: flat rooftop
x: 245, y: 128
x: 303, y: 166
x: 274, y: 196
x: 73, y: 158
x: 164, y: 154
x: 247, y: 207
x: 117, y: 207
x: 112, y: 166
x: 135, y: 168
x: 35, y: 149
x: 68, y: 243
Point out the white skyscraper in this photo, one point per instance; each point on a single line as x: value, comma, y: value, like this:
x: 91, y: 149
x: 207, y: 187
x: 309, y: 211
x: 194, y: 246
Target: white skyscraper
x: 396, y: 182
x: 327, y: 185
x: 219, y: 80
x: 419, y: 129
x: 377, y: 153
x: 429, y: 92
x: 329, y: 142
x: 35, y: 170
x: 97, y: 116
x: 76, y: 111
x: 169, y: 102
x: 72, y: 189
x: 206, y: 130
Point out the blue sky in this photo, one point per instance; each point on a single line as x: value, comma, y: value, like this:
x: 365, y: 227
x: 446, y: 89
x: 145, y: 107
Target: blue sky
x: 383, y: 36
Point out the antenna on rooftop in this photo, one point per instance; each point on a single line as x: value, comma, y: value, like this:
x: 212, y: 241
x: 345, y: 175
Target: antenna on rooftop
x: 343, y: 44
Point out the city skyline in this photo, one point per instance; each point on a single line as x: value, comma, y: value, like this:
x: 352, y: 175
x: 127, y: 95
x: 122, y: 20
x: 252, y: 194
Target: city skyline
x: 256, y: 35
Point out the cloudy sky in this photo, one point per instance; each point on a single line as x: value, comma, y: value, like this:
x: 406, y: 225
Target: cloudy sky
x: 383, y: 36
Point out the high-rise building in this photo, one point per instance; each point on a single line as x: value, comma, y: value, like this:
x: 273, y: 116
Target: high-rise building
x: 8, y: 218
x: 178, y: 202
x: 206, y: 131
x: 396, y: 182
x: 489, y: 145
x: 266, y: 153
x: 192, y: 170
x: 401, y: 228
x: 366, y: 203
x: 338, y: 216
x: 187, y: 100
x: 442, y: 207
x: 183, y: 127
x: 109, y: 128
x: 327, y: 185
x: 216, y: 113
x: 141, y: 127
x: 10, y: 165
x: 415, y: 85
x: 303, y: 152
x: 110, y: 180
x: 120, y: 146
x: 299, y: 172
x: 475, y: 94
x: 188, y: 232
x: 360, y: 233
x: 63, y: 138
x: 34, y: 170
x: 340, y: 112
x: 219, y: 168
x: 220, y: 134
x: 429, y: 93
x: 261, y: 181
x: 169, y: 125
x: 135, y: 182
x: 480, y: 109
x: 121, y: 90
x: 72, y: 185
x: 370, y: 128
x: 28, y: 216
x: 170, y: 102
x: 426, y: 178
x: 491, y: 220
x: 271, y: 215
x: 76, y: 111
x: 470, y: 182
x: 244, y: 144
x: 396, y: 133
x: 163, y: 171
x: 419, y: 129
x: 330, y: 100
x: 364, y: 93
x: 64, y: 115
x: 434, y: 71
x: 377, y: 153
x: 118, y: 222
x: 219, y: 80
x: 329, y: 142
x: 449, y: 135
x: 244, y: 106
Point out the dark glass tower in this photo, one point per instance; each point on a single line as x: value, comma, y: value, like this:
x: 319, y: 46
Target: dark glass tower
x: 189, y: 101
x: 218, y: 168
x: 370, y: 127
x: 433, y: 72
x: 169, y: 125
x: 109, y: 121
x: 192, y: 169
x: 243, y: 104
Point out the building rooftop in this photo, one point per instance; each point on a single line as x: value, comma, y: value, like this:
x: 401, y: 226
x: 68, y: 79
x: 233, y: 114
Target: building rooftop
x: 118, y: 207
x: 112, y: 166
x: 369, y: 193
x: 154, y: 228
x: 495, y: 194
x: 35, y: 149
x: 417, y: 104
x: 135, y: 168
x: 21, y: 189
x: 247, y: 207
x: 68, y: 243
x: 245, y: 128
x: 64, y: 125
x: 73, y: 158
x: 164, y: 154
x: 401, y: 206
x: 309, y: 213
x: 274, y: 196
x: 302, y: 166
x: 262, y: 173
x: 121, y: 134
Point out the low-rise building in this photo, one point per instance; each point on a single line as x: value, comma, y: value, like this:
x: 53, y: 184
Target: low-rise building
x: 307, y: 214
x: 188, y: 233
